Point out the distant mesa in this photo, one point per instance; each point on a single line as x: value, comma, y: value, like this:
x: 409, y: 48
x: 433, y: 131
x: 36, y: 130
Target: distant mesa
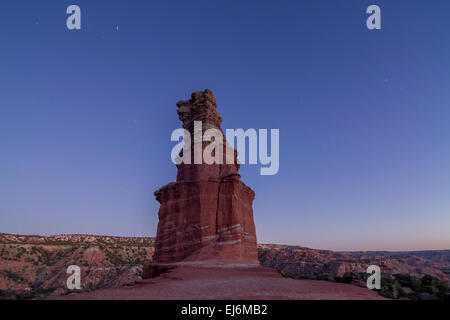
x: 206, y: 216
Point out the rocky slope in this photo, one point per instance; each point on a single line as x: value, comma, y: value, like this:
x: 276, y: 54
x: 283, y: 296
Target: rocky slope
x: 200, y: 282
x: 405, y: 275
x: 308, y: 262
x: 35, y: 266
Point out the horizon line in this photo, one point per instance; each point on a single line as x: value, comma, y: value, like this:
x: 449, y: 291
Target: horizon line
x: 258, y: 243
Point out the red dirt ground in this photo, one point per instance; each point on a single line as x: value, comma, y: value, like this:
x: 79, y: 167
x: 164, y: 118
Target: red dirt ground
x: 204, y: 283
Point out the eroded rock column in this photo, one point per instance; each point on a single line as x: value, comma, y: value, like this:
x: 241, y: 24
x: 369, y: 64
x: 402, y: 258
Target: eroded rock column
x: 206, y: 215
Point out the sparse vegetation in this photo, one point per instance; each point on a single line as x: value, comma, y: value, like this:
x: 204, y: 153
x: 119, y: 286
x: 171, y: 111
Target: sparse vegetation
x: 397, y: 286
x: 42, y: 262
x: 13, y: 276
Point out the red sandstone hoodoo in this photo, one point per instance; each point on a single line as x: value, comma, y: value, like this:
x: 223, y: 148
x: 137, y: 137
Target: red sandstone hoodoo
x: 206, y: 215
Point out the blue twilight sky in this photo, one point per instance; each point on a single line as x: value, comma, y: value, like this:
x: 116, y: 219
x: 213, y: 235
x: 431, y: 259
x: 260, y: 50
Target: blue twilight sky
x: 86, y: 116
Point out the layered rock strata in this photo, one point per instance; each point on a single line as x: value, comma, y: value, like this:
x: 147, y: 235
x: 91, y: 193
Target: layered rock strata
x: 206, y: 215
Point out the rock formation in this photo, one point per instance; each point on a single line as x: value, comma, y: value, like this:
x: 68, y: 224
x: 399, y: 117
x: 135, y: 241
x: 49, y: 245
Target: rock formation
x: 206, y: 215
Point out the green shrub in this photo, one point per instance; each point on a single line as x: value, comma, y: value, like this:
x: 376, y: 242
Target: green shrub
x: 13, y: 276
